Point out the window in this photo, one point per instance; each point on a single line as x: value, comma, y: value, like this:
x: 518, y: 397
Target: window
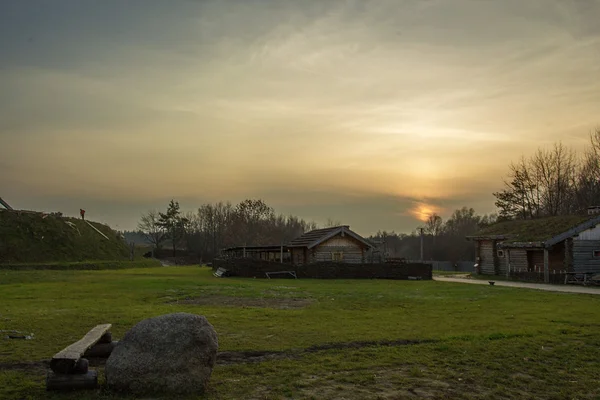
x: 500, y: 253
x: 337, y: 256
x: 596, y: 253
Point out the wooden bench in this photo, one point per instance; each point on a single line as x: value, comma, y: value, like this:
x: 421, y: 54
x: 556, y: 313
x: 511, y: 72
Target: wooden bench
x: 220, y: 272
x: 584, y: 278
x: 69, y: 369
x: 291, y: 273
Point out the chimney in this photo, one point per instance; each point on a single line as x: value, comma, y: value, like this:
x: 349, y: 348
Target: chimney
x: 594, y: 210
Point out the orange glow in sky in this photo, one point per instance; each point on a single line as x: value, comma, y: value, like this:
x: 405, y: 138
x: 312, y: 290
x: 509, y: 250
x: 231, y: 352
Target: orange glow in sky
x: 422, y: 211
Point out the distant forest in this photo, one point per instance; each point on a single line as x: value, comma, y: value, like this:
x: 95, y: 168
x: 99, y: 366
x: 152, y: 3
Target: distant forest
x: 548, y: 183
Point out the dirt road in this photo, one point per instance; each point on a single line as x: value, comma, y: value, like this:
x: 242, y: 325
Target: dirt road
x: 538, y: 286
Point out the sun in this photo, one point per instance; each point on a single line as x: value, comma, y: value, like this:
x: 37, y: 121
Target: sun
x: 422, y: 211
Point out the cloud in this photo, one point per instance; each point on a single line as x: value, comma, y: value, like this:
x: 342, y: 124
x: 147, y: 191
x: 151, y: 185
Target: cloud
x: 403, y: 103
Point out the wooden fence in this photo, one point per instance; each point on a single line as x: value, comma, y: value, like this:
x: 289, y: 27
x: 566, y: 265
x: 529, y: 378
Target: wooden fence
x: 252, y: 268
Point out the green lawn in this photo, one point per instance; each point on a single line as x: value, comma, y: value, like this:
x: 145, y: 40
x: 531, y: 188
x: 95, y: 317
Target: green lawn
x: 471, y: 341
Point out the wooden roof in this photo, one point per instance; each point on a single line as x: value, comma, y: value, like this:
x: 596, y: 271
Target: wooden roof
x: 255, y: 249
x: 537, y: 232
x: 318, y: 236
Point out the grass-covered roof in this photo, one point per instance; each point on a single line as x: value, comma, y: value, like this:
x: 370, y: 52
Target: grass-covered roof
x: 532, y: 230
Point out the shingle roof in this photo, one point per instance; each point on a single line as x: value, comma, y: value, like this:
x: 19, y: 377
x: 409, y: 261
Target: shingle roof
x: 317, y: 236
x: 534, y: 230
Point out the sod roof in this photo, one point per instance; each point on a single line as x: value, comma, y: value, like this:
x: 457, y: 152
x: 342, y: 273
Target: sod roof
x: 532, y: 230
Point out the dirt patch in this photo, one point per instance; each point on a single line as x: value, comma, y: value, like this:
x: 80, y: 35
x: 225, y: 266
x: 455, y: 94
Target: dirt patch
x: 389, y: 384
x: 366, y: 343
x: 33, y: 367
x: 264, y: 302
x: 237, y: 357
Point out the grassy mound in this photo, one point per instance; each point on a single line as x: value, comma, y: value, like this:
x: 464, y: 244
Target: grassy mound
x: 36, y: 238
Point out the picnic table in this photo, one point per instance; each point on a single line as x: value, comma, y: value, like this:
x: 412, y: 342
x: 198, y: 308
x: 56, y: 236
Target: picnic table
x: 584, y: 278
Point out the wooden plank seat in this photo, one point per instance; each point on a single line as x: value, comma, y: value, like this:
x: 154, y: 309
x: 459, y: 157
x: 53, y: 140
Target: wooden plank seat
x: 65, y: 361
x: 68, y: 368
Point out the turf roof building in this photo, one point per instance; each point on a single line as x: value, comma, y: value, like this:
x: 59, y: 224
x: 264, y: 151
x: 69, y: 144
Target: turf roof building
x: 563, y: 243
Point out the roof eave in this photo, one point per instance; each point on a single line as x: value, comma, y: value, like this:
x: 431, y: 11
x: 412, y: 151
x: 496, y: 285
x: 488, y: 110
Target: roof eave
x: 486, y: 237
x: 520, y: 245
x: 591, y: 223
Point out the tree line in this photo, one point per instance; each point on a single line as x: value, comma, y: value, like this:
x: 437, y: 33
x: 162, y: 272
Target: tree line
x: 442, y: 240
x: 213, y: 227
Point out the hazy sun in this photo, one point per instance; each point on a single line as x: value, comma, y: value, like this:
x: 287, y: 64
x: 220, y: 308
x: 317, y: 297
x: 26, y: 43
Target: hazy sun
x: 422, y: 211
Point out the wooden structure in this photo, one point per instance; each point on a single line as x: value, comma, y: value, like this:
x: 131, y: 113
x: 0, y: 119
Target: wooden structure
x: 277, y: 253
x: 570, y: 244
x: 69, y: 367
x: 336, y: 244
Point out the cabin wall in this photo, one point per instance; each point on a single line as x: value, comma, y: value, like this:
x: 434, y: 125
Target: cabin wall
x: 583, y: 255
x: 502, y: 262
x: 590, y: 234
x: 556, y: 258
x: 486, y: 255
x: 298, y: 256
x: 353, y: 252
x: 535, y: 260
x: 518, y: 259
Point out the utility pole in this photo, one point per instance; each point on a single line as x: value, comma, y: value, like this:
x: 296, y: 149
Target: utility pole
x: 422, y: 258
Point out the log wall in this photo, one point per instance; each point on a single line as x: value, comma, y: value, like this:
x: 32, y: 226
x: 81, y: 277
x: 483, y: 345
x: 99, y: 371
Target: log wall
x: 486, y: 254
x: 583, y: 256
x: 351, y: 250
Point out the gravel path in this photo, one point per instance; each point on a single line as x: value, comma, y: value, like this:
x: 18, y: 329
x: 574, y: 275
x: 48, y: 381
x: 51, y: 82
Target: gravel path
x: 538, y: 286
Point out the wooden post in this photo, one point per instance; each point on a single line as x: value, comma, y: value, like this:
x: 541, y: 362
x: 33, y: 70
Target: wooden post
x: 88, y: 380
x: 546, y: 266
x: 422, y: 257
x: 567, y: 261
x: 100, y: 350
x: 244, y: 252
x: 508, y: 263
x: 281, y: 254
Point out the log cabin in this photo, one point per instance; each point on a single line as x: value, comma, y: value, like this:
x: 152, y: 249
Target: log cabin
x: 569, y: 243
x: 335, y: 244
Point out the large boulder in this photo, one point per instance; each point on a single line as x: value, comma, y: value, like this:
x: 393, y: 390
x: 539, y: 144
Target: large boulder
x: 173, y: 353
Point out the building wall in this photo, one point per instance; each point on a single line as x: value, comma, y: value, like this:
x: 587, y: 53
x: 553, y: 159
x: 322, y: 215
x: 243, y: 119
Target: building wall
x: 556, y: 258
x: 583, y: 255
x: 352, y: 251
x: 502, y: 262
x: 536, y: 259
x: 298, y: 256
x: 486, y: 255
x: 590, y: 234
x: 518, y: 259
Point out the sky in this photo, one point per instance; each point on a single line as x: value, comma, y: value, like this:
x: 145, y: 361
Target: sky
x: 374, y: 113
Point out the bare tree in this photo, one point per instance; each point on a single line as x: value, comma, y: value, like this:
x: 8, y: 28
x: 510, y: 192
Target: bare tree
x: 434, y: 225
x: 150, y: 226
x: 588, y: 179
x: 331, y: 223
x: 251, y: 222
x: 555, y: 173
x: 544, y: 184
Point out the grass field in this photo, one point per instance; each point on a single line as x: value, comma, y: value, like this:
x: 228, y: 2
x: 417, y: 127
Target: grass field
x: 317, y: 339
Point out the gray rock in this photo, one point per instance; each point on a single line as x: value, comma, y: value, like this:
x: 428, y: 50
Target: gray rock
x: 173, y: 353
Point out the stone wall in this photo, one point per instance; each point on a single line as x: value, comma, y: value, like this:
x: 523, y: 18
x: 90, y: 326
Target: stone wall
x: 250, y: 268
